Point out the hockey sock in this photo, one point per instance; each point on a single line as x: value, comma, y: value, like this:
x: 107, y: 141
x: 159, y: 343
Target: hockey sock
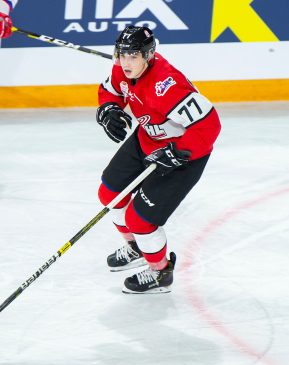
x: 118, y: 220
x: 150, y: 239
x: 118, y: 212
x: 157, y: 260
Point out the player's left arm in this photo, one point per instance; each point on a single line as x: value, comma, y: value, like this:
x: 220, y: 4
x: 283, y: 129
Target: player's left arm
x: 201, y: 122
x: 184, y: 105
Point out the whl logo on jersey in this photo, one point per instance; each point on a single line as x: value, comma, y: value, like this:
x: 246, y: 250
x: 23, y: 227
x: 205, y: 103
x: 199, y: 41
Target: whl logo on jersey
x: 107, y: 15
x: 153, y: 130
x: 163, y: 86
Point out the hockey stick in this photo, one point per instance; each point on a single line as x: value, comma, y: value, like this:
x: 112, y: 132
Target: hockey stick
x: 78, y: 235
x: 59, y: 42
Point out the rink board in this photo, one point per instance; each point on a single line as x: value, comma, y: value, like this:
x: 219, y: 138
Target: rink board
x: 86, y: 95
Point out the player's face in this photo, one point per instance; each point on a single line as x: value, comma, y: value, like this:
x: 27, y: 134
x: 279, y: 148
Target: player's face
x: 133, y: 65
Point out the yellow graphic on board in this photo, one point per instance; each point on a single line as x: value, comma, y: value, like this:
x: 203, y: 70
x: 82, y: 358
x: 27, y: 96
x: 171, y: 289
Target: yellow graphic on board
x: 241, y: 18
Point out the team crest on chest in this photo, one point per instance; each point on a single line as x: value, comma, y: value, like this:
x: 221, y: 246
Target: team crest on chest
x: 163, y: 86
x: 127, y: 93
x: 124, y: 88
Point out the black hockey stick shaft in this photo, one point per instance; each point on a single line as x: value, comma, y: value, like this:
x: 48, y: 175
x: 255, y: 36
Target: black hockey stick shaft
x: 78, y: 235
x: 61, y: 43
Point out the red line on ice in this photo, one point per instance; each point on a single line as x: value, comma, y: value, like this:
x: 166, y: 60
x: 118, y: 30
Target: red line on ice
x: 197, y: 301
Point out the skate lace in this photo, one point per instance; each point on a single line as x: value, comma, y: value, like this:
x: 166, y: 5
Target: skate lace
x: 147, y: 276
x: 126, y: 252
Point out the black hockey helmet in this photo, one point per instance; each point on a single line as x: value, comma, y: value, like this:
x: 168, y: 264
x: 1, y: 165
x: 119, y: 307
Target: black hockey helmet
x: 135, y: 39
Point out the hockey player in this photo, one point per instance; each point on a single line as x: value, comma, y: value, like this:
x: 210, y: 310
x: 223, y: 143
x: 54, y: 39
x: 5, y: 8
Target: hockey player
x: 5, y: 21
x: 177, y: 129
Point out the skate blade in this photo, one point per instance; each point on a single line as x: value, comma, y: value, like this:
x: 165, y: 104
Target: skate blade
x: 132, y: 265
x: 161, y: 290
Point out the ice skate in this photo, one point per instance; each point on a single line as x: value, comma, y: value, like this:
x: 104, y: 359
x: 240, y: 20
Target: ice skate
x: 151, y: 281
x: 127, y: 257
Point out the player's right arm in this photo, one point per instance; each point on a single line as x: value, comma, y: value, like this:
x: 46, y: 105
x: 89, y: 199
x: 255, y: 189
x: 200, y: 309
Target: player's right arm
x: 109, y: 90
x: 110, y: 114
x: 5, y: 21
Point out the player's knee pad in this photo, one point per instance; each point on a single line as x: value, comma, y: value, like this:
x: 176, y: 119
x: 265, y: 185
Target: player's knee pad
x: 106, y: 195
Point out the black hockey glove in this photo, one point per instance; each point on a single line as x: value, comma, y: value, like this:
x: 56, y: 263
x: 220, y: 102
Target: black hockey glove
x: 113, y: 120
x: 168, y: 158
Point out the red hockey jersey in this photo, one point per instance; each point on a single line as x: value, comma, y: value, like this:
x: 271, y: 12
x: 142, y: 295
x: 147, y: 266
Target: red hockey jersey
x: 167, y: 107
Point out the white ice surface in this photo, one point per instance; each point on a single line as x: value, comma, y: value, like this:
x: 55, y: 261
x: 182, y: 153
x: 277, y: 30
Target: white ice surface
x: 230, y: 299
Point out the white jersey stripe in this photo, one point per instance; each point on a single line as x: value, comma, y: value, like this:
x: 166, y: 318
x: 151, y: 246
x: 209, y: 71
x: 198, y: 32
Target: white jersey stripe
x: 107, y: 85
x: 191, y: 109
